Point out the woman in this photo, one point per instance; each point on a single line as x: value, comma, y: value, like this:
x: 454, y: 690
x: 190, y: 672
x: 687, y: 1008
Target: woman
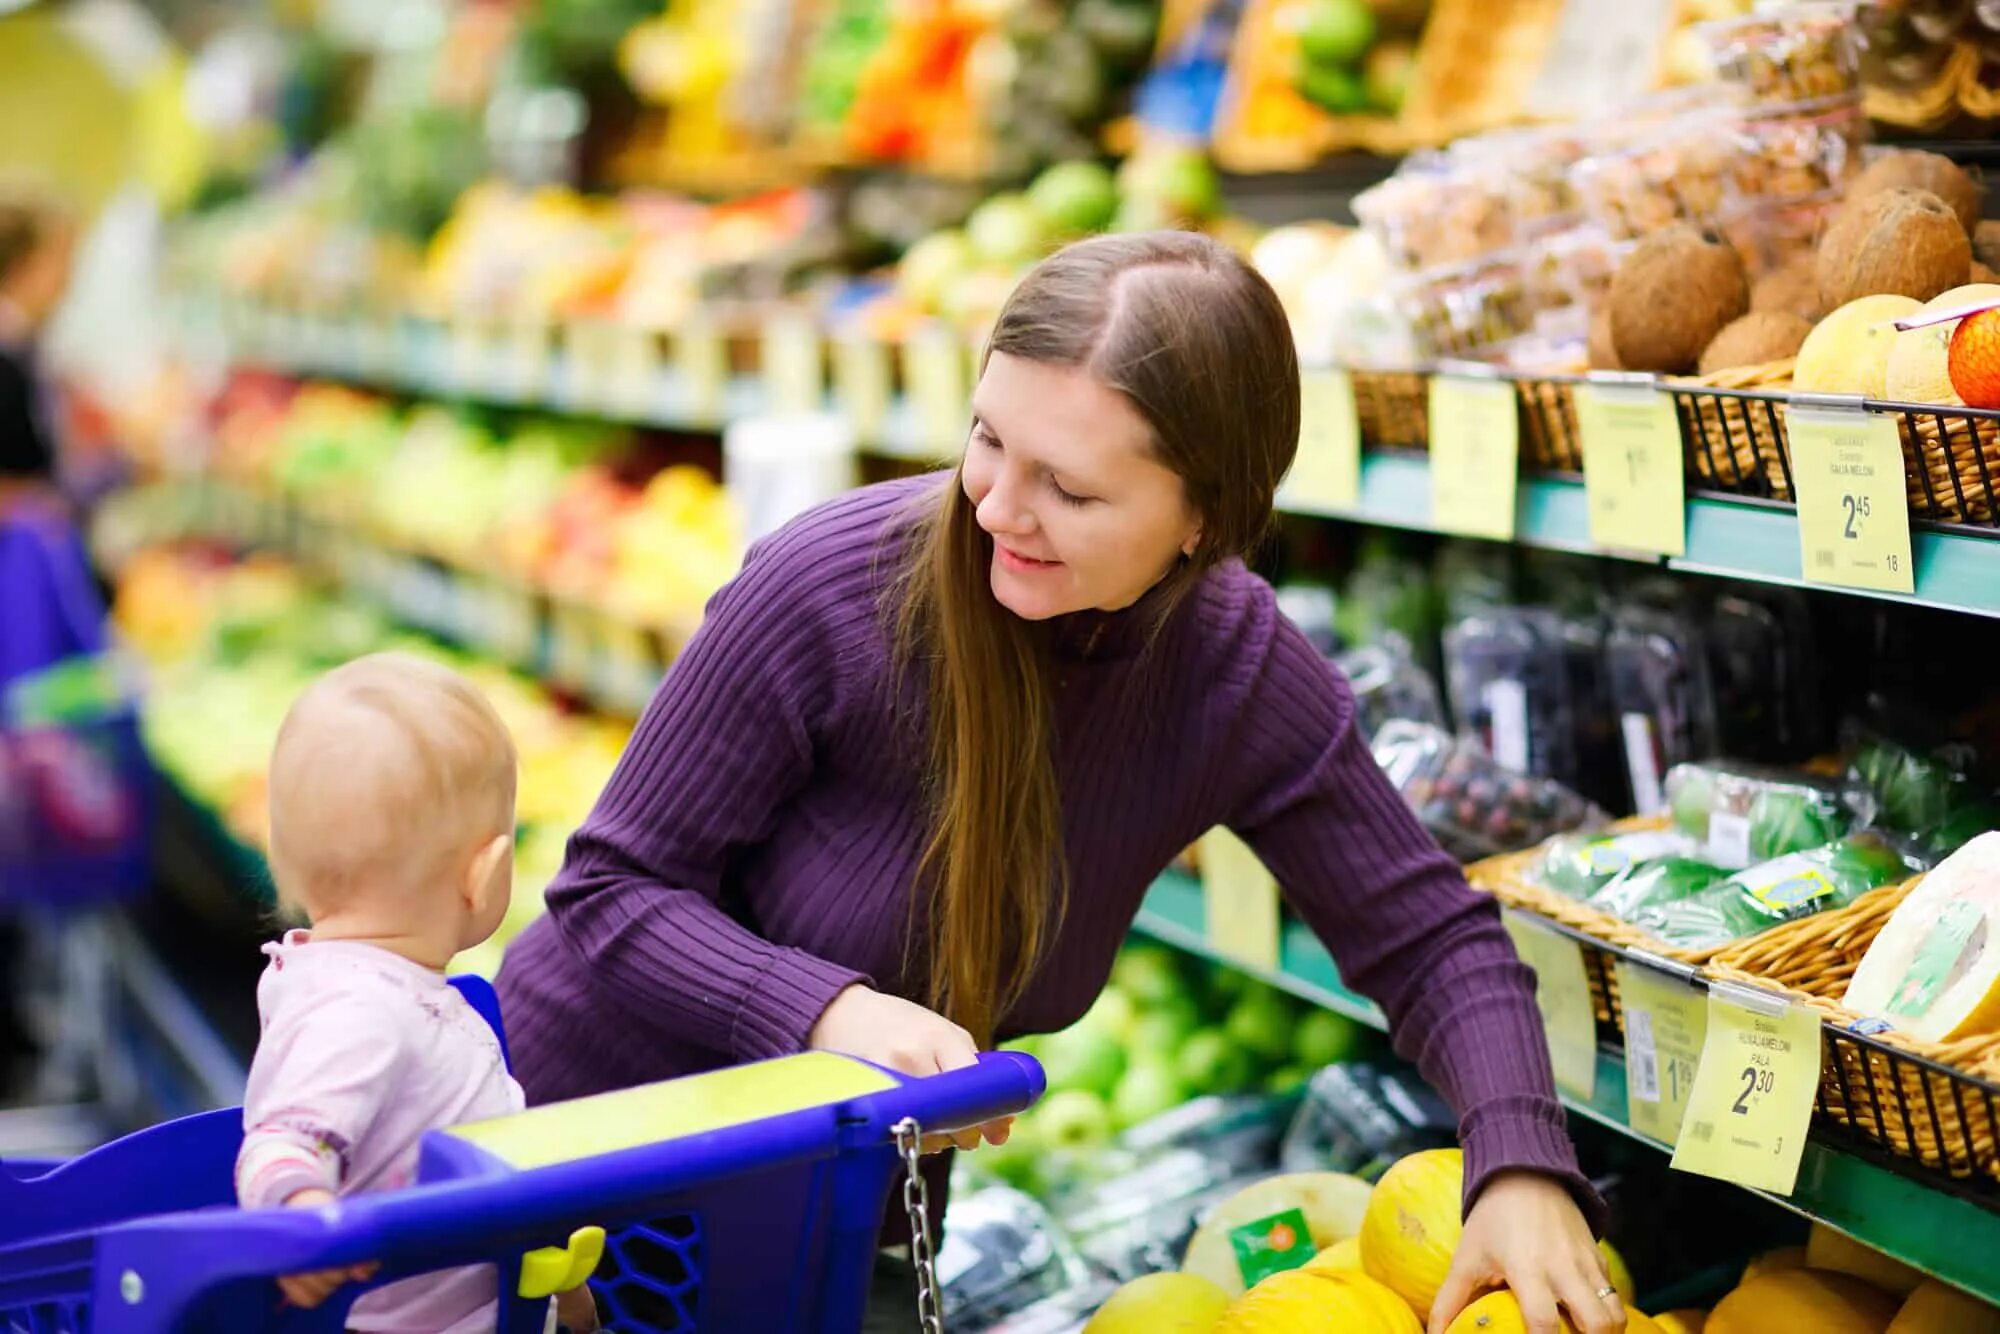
x: 902, y: 795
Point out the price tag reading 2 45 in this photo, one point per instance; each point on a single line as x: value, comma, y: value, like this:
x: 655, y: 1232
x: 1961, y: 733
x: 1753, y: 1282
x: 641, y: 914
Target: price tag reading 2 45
x: 1854, y: 518
x: 1753, y: 1091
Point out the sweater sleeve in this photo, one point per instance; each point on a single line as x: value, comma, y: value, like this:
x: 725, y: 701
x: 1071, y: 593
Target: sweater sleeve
x: 725, y: 743
x: 1396, y: 913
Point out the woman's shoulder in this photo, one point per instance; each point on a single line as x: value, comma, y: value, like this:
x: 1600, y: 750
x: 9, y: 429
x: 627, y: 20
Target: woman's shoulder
x: 1240, y: 634
x: 847, y: 540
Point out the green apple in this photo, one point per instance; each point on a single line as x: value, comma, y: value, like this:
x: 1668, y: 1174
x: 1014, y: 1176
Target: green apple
x: 1261, y: 1023
x: 1288, y: 1078
x: 1072, y: 1119
x: 1149, y: 974
x: 1008, y: 230
x: 1077, y: 196
x: 932, y: 266
x: 1161, y: 1029
x: 1150, y: 1087
x: 1014, y: 1161
x: 1209, y: 1062
x: 1114, y: 1013
x: 1178, y: 180
x: 1324, y: 1038
x: 1082, y: 1058
x: 1337, y: 32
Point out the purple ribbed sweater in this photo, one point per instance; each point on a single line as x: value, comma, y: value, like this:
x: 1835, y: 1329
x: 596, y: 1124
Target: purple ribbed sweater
x: 753, y: 854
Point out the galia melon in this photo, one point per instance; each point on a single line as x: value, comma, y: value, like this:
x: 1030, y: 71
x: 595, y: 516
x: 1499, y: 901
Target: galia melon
x: 1302, y: 1301
x: 1686, y: 1321
x: 1500, y: 1313
x: 1934, y: 971
x: 1773, y: 1262
x: 1342, y: 1255
x: 1848, y: 351
x: 1413, y: 1225
x: 1917, y: 371
x: 1803, y: 1299
x: 1333, y: 1204
x: 1620, y: 1275
x: 1161, y: 1304
x: 1839, y: 1253
x: 1935, y: 1308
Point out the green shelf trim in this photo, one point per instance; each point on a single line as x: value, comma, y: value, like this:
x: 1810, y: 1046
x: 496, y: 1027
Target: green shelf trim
x: 1950, y: 1238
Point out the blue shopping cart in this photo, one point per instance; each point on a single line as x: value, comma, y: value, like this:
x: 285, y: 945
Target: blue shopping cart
x: 735, y: 1202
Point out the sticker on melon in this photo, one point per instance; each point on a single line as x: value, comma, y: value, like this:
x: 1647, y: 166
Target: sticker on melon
x: 1938, y: 1308
x: 1499, y: 1313
x: 1332, y: 1205
x: 1934, y: 971
x: 1306, y: 1301
x: 1803, y: 1299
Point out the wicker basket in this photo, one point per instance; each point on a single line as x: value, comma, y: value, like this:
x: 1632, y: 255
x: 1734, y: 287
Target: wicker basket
x: 1737, y: 445
x: 1392, y: 408
x: 1952, y: 465
x: 1550, y: 441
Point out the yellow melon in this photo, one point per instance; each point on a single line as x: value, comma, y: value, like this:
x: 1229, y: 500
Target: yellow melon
x: 1803, y: 1299
x: 1848, y: 351
x: 1333, y: 1205
x: 1413, y: 1224
x: 1936, y: 1308
x: 1161, y: 1304
x: 1917, y: 371
x: 1840, y: 1253
x: 1620, y: 1274
x: 1684, y: 1321
x: 1772, y: 1262
x: 1305, y: 1301
x: 1500, y: 1313
x: 1342, y: 1255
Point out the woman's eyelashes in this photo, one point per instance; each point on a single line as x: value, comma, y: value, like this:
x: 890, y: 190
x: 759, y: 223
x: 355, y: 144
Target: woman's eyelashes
x: 985, y: 439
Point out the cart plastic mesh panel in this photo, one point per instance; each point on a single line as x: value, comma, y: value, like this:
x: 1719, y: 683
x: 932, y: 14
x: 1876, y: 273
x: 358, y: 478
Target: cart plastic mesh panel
x: 649, y: 1281
x: 58, y: 1317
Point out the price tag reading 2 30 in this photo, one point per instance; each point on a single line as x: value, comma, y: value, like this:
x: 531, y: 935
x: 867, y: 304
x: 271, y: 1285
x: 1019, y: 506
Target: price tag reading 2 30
x: 1854, y: 519
x: 1753, y: 1091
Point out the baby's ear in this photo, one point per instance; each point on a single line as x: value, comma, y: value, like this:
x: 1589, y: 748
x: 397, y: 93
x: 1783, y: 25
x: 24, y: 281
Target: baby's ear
x: 483, y: 878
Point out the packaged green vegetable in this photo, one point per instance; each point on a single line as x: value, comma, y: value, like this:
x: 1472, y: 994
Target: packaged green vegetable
x: 1913, y: 789
x: 1582, y: 864
x: 1652, y: 887
x: 1744, y: 814
x: 1796, y: 885
x: 1959, y: 828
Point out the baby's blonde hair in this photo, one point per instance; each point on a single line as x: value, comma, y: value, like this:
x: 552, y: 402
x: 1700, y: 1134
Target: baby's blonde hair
x: 386, y: 770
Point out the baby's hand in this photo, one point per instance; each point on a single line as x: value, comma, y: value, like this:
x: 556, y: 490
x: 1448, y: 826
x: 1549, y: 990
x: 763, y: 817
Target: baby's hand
x: 576, y: 1311
x: 306, y: 1291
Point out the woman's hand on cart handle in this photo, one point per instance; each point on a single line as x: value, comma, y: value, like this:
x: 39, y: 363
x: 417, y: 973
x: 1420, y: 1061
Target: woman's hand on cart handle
x: 1525, y: 1233
x: 907, y: 1038
x: 306, y: 1291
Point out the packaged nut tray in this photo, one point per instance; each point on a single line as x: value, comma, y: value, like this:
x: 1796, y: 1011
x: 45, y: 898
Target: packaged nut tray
x: 1466, y: 310
x: 1744, y: 814
x: 1680, y: 170
x: 1438, y: 211
x: 1534, y: 165
x: 1473, y: 806
x: 1768, y: 234
x: 1795, y: 53
x: 1792, y: 151
x: 1570, y: 269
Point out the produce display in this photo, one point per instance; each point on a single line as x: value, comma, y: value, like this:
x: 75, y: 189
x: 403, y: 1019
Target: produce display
x: 1740, y: 815
x: 1931, y: 972
x: 1473, y: 805
x: 1782, y: 889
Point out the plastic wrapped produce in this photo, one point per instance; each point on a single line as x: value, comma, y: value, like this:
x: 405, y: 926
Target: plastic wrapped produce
x: 1389, y: 593
x: 1660, y: 691
x: 1744, y: 814
x: 1389, y: 685
x: 1913, y: 789
x: 1508, y: 682
x: 1359, y: 1118
x: 1796, y: 885
x: 1581, y: 864
x: 1599, y: 769
x: 1473, y: 806
x: 1760, y: 656
x: 1654, y: 886
x: 1316, y: 611
x: 1791, y: 53
x: 1002, y: 1255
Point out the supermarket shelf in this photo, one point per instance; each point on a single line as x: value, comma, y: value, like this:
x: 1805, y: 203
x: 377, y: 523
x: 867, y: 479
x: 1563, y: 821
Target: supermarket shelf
x: 1951, y: 1238
x: 1728, y: 538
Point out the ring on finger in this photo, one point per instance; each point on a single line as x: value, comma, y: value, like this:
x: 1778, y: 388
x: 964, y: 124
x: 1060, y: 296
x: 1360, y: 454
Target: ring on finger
x: 1607, y: 1291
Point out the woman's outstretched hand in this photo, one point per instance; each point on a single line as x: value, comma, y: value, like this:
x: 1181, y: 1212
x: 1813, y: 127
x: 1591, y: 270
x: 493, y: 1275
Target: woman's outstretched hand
x: 904, y: 1037
x: 1525, y: 1233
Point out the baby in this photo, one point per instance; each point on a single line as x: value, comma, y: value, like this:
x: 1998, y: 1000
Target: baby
x: 392, y: 829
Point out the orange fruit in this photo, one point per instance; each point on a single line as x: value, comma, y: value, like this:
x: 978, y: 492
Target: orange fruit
x: 1974, y: 359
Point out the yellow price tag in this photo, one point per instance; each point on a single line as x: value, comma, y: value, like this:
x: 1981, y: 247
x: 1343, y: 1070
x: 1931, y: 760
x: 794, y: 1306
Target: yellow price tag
x: 1632, y: 476
x: 632, y: 380
x: 794, y: 375
x: 1327, y: 474
x: 1239, y: 901
x: 570, y: 652
x: 861, y: 384
x: 1562, y: 993
x: 1753, y: 1090
x: 1854, y: 518
x: 1475, y: 456
x: 1665, y: 1021
x: 527, y: 362
x: 702, y: 359
x: 469, y: 353
x: 934, y: 374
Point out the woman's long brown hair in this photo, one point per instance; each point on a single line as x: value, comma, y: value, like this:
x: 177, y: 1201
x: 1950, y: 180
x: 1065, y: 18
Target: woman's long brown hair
x: 1198, y: 343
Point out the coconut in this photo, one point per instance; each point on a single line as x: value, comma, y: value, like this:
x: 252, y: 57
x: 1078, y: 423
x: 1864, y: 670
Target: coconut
x: 1602, y: 355
x: 1897, y: 240
x: 1986, y: 244
x: 1918, y: 369
x: 1793, y: 286
x: 1753, y: 339
x: 1916, y: 170
x: 1671, y: 296
x: 1982, y: 274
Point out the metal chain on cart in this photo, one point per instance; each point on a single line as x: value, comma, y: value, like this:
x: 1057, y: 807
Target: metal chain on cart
x: 917, y: 1201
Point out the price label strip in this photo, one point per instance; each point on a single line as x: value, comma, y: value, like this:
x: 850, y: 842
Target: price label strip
x: 1327, y: 474
x: 1562, y: 993
x: 1633, y: 481
x: 934, y: 372
x: 632, y: 377
x: 794, y: 376
x: 1665, y: 1022
x: 701, y: 358
x: 1475, y: 433
x: 1854, y: 518
x: 529, y: 338
x: 1753, y: 1090
x: 1239, y: 901
x: 570, y: 648
x: 861, y: 384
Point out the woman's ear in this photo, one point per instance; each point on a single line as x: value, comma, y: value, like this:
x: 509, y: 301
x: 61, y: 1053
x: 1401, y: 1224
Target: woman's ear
x: 482, y: 874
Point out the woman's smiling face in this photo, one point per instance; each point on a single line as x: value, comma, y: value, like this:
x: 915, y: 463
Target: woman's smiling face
x: 1061, y: 474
